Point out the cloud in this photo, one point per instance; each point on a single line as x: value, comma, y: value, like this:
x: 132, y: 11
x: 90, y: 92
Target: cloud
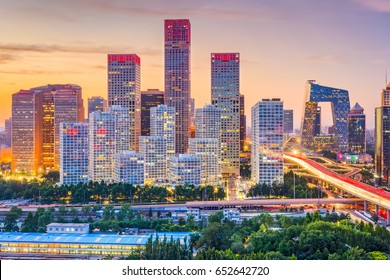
x: 5, y: 58
x: 42, y: 48
x: 325, y: 59
x: 76, y: 10
x: 36, y: 72
x: 382, y: 6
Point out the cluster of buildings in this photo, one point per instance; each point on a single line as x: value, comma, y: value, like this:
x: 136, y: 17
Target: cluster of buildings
x: 136, y: 137
x: 152, y: 137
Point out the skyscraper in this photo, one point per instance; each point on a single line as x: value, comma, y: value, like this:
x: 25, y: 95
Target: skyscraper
x: 74, y: 153
x: 177, y: 56
x: 339, y: 99
x: 242, y: 122
x: 154, y: 149
x: 124, y: 90
x: 48, y: 106
x: 101, y: 146
x: 26, y: 143
x: 162, y: 123
x: 96, y: 103
x: 185, y: 169
x: 150, y: 98
x: 288, y: 121
x: 129, y: 168
x: 382, y: 138
x: 357, y: 130
x: 8, y: 132
x: 207, y: 149
x: 225, y: 91
x: 68, y: 107
x: 122, y: 127
x: 267, y: 141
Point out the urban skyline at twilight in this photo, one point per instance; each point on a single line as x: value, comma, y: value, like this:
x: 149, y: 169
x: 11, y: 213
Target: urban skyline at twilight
x: 338, y: 43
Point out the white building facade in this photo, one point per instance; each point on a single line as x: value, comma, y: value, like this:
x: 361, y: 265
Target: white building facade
x: 102, y: 146
x: 208, y: 151
x: 162, y: 123
x: 129, y: 168
x: 154, y: 149
x: 185, y: 169
x: 267, y: 141
x: 74, y: 148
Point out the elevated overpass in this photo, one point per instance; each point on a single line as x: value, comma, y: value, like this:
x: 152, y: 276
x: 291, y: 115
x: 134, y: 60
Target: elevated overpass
x: 358, y: 189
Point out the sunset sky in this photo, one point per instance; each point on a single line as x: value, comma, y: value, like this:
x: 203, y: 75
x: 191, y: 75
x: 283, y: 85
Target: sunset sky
x: 283, y: 43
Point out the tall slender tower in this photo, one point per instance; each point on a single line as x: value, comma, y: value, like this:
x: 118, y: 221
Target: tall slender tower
x: 382, y: 138
x: 177, y: 57
x: 225, y: 94
x: 267, y: 141
x: 124, y: 90
x: 357, y: 130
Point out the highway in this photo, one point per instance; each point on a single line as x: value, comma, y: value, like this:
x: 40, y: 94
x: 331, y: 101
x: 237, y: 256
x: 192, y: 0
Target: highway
x: 356, y: 188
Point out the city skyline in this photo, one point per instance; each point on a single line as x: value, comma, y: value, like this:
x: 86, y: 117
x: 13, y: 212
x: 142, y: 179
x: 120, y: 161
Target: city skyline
x: 344, y: 50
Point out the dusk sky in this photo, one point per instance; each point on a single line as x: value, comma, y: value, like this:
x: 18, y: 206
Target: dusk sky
x: 282, y: 43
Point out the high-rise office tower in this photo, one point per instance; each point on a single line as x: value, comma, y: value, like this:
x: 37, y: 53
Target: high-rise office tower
x: 154, y: 149
x: 242, y: 122
x: 68, y: 107
x: 26, y: 136
x: 124, y: 90
x: 208, y: 122
x: 267, y: 141
x: 8, y: 132
x: 208, y: 151
x: 162, y: 123
x: 357, y: 130
x: 96, y: 103
x: 225, y: 94
x: 49, y: 106
x: 177, y: 56
x: 122, y: 127
x: 382, y: 138
x: 386, y: 96
x: 150, y: 98
x: 288, y: 121
x: 74, y: 153
x: 185, y: 169
x: 339, y: 100
x: 101, y: 146
x: 129, y: 168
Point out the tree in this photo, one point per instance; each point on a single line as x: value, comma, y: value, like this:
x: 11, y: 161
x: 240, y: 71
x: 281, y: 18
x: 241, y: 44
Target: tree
x: 43, y: 220
x: 12, y: 218
x: 30, y: 224
x: 215, y: 235
x: 216, y: 217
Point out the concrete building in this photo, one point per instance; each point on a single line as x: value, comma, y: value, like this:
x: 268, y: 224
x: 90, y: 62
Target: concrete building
x: 97, y: 104
x: 74, y: 146
x: 356, y: 130
x: 207, y: 149
x: 288, y: 121
x: 162, y: 123
x: 154, y: 149
x: 185, y: 169
x: 177, y: 57
x: 101, y: 146
x: 8, y: 132
x: 242, y: 122
x: 267, y: 141
x: 150, y: 98
x: 129, y: 168
x: 123, y: 130
x: 70, y: 228
x: 124, y: 80
x: 225, y: 94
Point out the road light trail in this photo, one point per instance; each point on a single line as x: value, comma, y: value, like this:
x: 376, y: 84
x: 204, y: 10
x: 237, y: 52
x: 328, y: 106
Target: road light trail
x: 356, y: 188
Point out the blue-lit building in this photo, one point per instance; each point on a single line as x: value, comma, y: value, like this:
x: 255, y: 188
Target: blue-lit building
x: 339, y: 99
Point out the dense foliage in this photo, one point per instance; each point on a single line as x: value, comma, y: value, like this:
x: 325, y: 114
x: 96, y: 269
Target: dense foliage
x: 47, y: 192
